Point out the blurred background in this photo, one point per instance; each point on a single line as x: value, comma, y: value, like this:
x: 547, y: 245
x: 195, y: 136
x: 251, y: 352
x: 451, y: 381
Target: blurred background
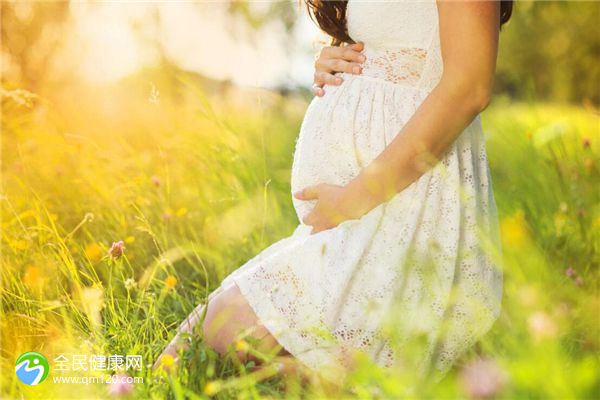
x: 549, y: 52
x: 170, y: 126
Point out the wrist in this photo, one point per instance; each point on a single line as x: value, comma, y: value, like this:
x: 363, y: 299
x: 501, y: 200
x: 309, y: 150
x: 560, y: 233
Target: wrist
x: 361, y: 195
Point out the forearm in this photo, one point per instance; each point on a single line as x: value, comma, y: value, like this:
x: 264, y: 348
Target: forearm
x: 436, y: 124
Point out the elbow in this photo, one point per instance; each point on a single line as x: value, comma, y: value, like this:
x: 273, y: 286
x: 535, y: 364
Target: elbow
x: 474, y: 95
x: 481, y: 98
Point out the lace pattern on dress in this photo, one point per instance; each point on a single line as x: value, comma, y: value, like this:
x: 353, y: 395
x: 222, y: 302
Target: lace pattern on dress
x: 400, y: 66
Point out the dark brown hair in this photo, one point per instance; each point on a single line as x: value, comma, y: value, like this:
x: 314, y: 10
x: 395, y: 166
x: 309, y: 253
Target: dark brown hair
x: 331, y: 17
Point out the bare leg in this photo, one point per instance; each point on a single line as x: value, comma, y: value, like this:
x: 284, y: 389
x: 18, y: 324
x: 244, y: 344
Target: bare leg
x: 230, y: 320
x: 186, y: 328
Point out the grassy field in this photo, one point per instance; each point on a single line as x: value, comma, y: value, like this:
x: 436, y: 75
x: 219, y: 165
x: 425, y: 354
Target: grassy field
x: 194, y: 185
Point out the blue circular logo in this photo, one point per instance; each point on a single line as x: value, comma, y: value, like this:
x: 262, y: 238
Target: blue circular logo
x: 31, y: 368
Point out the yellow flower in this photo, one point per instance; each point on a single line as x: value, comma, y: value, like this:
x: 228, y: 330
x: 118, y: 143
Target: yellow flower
x: 167, y: 360
x: 212, y: 388
x: 241, y: 345
x: 20, y: 245
x: 171, y: 281
x: 93, y: 252
x: 32, y: 278
x: 514, y: 229
x: 181, y: 212
x: 130, y: 239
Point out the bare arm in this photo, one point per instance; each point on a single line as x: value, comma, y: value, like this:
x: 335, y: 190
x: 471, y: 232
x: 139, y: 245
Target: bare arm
x: 469, y: 41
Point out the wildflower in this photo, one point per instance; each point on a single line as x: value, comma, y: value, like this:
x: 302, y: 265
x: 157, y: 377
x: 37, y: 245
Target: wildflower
x: 541, y: 326
x: 20, y: 245
x: 529, y: 135
x: 167, y: 360
x: 93, y: 252
x: 482, y: 379
x: 130, y: 284
x: 168, y: 214
x: 166, y: 363
x: 514, y: 229
x: 117, y: 249
x: 181, y: 212
x: 170, y: 281
x: 32, y: 278
x: 212, y: 388
x: 586, y: 143
x: 570, y: 272
x: 241, y: 345
x: 155, y: 180
x: 563, y: 207
x: 121, y: 385
x: 130, y: 239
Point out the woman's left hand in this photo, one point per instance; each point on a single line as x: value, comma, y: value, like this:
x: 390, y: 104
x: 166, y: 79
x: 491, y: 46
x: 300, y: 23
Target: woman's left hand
x: 333, y: 206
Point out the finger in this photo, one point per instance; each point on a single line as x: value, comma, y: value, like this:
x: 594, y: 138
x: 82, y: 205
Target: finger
x: 324, y: 78
x: 318, y: 91
x: 338, y: 65
x: 358, y: 46
x: 308, y: 193
x: 349, y: 54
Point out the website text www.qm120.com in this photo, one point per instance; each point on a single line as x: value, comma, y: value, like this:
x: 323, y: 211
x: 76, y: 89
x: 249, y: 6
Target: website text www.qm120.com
x: 98, y: 379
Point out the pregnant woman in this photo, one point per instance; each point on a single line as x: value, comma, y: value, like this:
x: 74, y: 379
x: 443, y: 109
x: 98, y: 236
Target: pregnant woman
x: 394, y: 255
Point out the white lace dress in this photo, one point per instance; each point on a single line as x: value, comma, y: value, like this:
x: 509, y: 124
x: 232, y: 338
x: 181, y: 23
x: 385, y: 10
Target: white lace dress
x: 416, y: 266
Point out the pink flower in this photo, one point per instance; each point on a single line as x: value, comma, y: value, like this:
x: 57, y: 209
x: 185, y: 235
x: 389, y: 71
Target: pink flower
x: 155, y: 180
x: 570, y: 272
x: 117, y: 249
x: 482, y: 379
x: 586, y: 143
x: 121, y: 385
x: 541, y: 326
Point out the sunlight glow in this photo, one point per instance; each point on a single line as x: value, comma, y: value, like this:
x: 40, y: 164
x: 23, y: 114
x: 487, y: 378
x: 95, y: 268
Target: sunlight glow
x: 115, y: 39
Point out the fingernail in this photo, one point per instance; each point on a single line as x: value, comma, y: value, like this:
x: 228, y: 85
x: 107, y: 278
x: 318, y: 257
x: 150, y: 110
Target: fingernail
x: 338, y: 81
x: 363, y: 58
x: 356, y: 70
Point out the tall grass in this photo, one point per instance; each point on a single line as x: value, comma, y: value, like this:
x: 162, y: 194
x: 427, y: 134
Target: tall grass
x: 195, y: 185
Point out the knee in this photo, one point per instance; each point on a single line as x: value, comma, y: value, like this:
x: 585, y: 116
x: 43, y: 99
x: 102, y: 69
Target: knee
x: 213, y: 328
x: 225, y: 319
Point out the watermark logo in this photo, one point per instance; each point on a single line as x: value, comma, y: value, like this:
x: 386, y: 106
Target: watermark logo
x: 31, y: 368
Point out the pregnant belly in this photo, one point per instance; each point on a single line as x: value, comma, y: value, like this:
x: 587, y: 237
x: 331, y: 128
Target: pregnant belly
x: 326, y: 149
x: 346, y: 129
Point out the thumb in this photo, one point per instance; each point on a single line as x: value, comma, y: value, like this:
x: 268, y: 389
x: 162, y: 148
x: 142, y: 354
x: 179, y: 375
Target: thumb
x: 308, y: 193
x: 358, y: 46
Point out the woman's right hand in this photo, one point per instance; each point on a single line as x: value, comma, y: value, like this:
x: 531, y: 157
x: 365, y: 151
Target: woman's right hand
x: 334, y: 59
